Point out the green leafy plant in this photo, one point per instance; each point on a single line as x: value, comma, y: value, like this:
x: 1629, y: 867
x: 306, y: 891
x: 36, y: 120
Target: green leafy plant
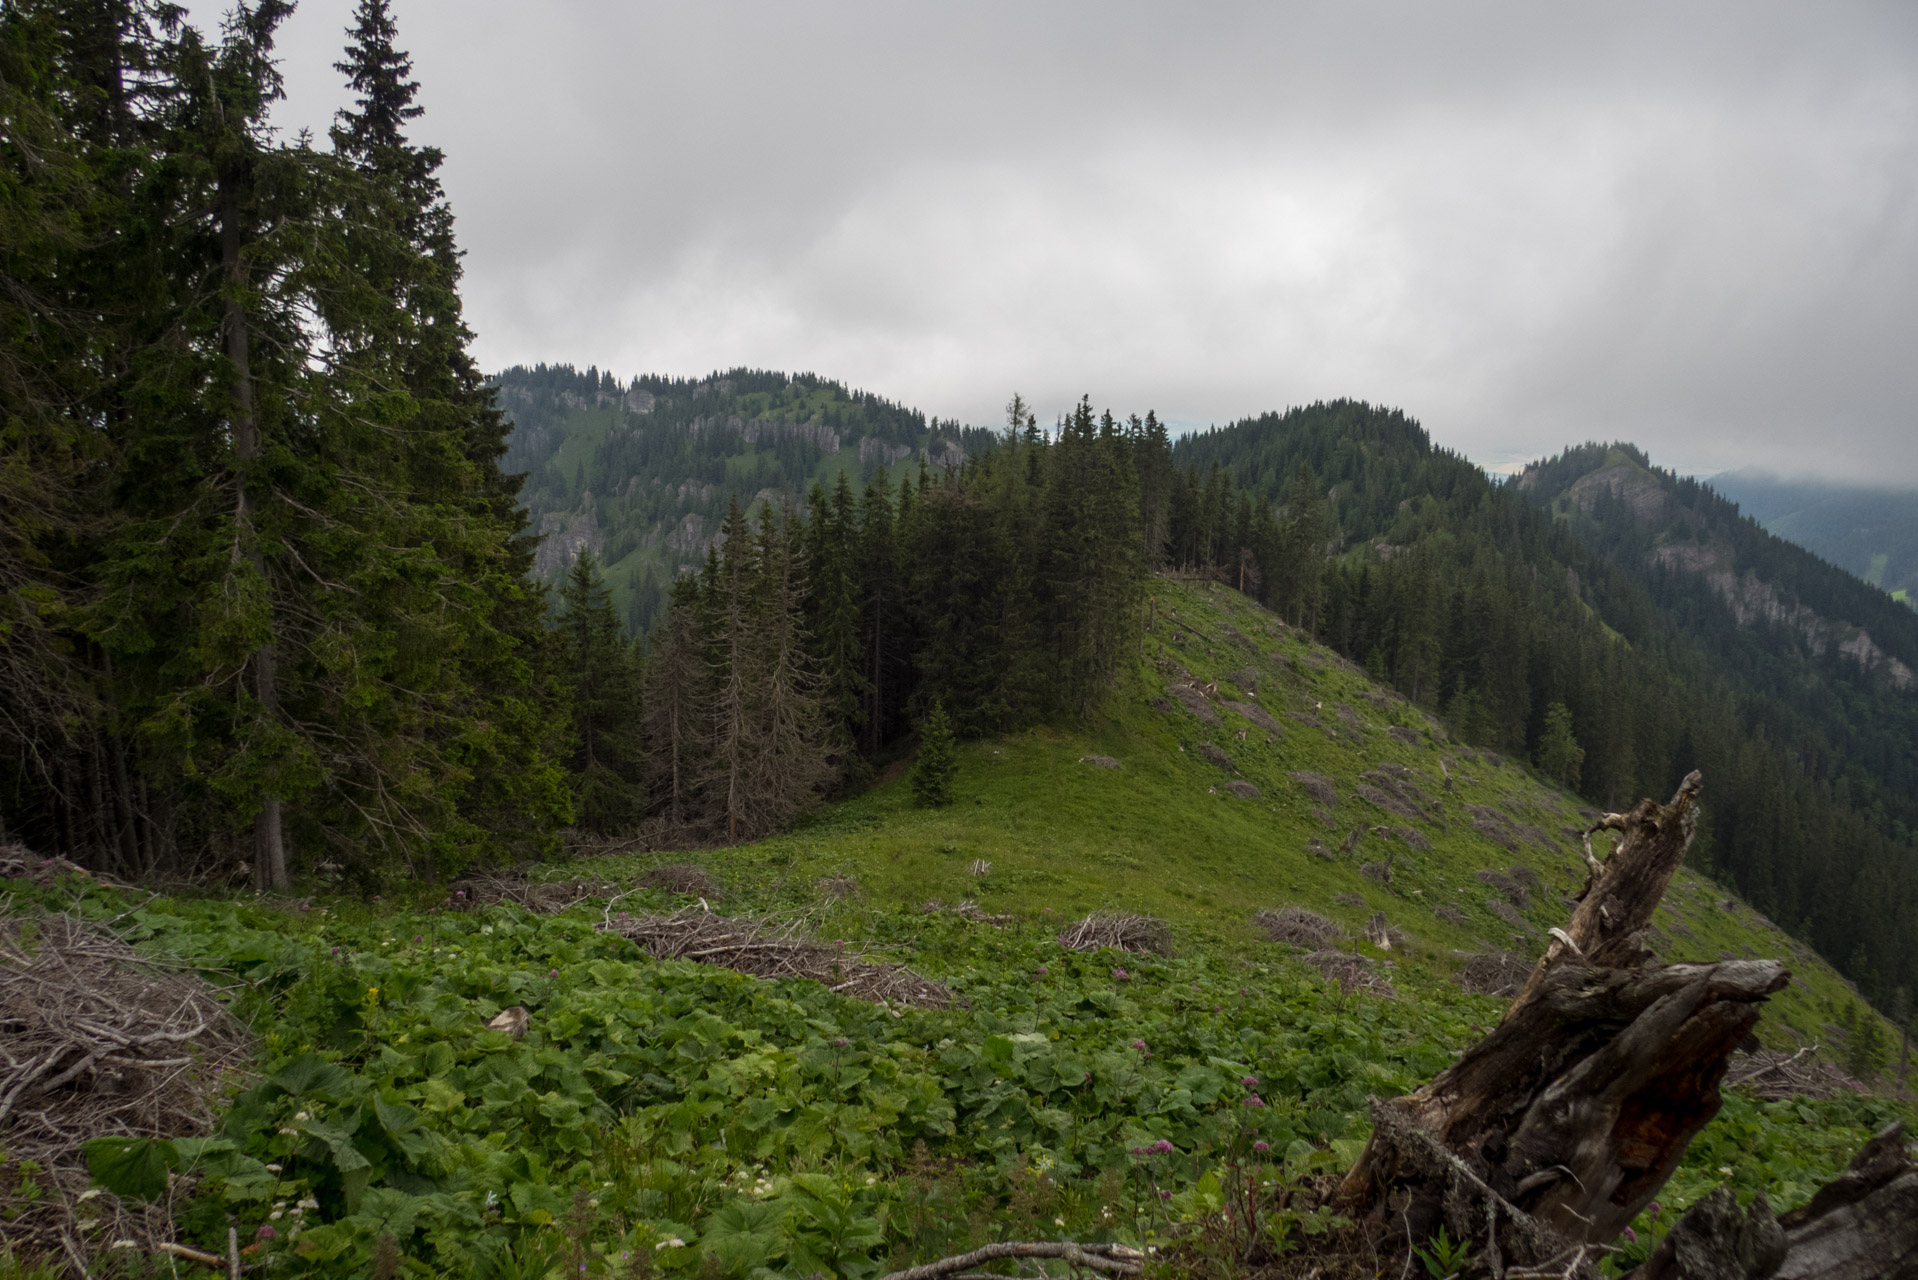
x: 1443, y: 1257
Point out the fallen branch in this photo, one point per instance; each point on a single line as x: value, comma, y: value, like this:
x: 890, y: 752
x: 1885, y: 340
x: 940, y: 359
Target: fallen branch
x: 1114, y: 1259
x: 192, y: 1255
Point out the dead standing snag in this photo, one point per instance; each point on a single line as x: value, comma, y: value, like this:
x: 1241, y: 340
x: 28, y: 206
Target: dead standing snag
x: 1555, y: 1130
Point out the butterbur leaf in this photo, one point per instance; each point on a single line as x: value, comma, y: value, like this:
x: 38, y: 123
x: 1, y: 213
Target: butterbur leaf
x: 132, y: 1167
x: 396, y: 1117
x: 744, y: 1234
x: 353, y: 1183
x: 311, y: 1074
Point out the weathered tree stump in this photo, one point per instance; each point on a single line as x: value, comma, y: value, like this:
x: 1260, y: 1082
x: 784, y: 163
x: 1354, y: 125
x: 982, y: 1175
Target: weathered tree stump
x: 1547, y: 1138
x: 1862, y: 1225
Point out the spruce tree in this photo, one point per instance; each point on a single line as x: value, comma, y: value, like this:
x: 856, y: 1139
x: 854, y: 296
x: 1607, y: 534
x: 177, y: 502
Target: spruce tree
x: 833, y: 607
x: 1559, y: 757
x: 604, y: 683
x: 676, y: 707
x: 937, y: 761
x: 399, y: 314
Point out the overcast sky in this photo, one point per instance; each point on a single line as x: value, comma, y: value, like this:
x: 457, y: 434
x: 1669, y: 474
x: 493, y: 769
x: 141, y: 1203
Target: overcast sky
x: 1693, y: 226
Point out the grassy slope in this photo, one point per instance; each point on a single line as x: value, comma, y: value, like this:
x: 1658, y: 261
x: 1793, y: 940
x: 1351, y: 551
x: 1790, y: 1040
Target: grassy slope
x: 630, y: 1067
x: 1162, y: 836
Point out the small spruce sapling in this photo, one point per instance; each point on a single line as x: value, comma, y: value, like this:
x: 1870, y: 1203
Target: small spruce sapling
x: 1560, y: 758
x: 933, y: 771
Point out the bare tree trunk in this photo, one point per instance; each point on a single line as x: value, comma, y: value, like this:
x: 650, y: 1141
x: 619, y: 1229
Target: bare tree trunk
x: 1548, y: 1137
x: 269, y: 848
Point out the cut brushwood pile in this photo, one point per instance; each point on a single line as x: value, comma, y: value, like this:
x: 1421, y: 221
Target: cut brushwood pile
x: 1493, y: 973
x: 1299, y: 927
x: 1140, y: 935
x: 683, y: 877
x: 1773, y: 1075
x: 1548, y: 1137
x: 967, y: 909
x: 1353, y: 973
x: 771, y: 948
x: 544, y: 897
x: 98, y: 1041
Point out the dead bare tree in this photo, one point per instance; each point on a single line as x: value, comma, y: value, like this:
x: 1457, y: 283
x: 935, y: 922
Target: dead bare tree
x: 1549, y: 1136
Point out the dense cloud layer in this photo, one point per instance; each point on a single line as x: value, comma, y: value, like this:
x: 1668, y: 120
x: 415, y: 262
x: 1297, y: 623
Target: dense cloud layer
x: 1690, y: 226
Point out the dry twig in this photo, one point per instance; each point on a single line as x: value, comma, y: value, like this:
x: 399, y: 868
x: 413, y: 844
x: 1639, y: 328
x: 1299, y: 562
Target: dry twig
x: 1140, y: 935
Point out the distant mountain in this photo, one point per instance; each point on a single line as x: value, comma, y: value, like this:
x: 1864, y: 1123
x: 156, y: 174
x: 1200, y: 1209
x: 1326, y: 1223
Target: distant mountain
x: 641, y: 471
x: 1872, y: 533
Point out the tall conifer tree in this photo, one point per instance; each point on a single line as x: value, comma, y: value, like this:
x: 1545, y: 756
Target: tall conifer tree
x: 605, y: 681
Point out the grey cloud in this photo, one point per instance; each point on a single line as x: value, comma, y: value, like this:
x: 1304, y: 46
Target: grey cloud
x: 1690, y: 225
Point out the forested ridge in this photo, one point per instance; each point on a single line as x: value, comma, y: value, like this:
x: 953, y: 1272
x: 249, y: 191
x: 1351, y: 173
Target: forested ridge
x: 642, y: 471
x: 1497, y: 603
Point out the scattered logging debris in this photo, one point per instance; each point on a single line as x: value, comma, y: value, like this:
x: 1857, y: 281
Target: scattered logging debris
x: 1493, y: 973
x: 1516, y: 890
x: 1107, y: 1259
x: 683, y: 877
x: 1548, y: 1137
x: 99, y: 1042
x: 1352, y: 972
x: 1298, y: 927
x: 1141, y: 935
x: 966, y: 910
x: 838, y: 888
x: 1772, y: 1075
x: 17, y: 862
x: 1318, y: 786
x: 771, y: 948
x: 543, y: 897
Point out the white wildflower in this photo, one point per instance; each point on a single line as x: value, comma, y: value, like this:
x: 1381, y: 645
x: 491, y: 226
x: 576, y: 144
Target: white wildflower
x: 89, y: 1193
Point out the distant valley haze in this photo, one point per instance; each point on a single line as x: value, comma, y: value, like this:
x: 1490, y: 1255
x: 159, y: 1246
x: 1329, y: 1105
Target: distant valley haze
x: 1690, y: 226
